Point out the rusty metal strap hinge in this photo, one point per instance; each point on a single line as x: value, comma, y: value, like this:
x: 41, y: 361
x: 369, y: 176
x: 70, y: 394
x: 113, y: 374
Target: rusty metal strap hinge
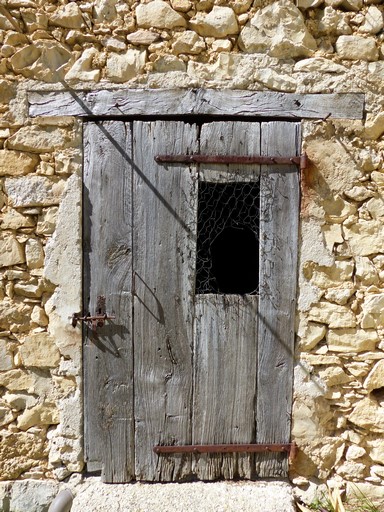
x: 301, y: 161
x: 290, y: 448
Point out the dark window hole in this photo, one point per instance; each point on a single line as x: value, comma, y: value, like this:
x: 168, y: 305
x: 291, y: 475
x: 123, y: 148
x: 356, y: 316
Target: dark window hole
x: 227, y: 238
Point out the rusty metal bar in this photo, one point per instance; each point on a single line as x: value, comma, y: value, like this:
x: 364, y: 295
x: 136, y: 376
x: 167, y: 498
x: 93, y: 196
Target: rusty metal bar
x: 301, y: 161
x: 290, y: 448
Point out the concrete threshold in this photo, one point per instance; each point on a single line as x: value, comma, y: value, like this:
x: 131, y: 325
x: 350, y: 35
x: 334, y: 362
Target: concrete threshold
x: 262, y: 496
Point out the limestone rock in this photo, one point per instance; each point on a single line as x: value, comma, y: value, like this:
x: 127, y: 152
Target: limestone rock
x: 328, y: 158
x: 279, y: 30
x: 352, y: 5
x: 18, y: 380
x: 31, y: 289
x: 39, y: 317
x: 352, y: 340
x: 222, y: 45
x: 220, y: 22
x: 42, y: 414
x: 32, y: 495
x: 124, y: 67
x: 67, y: 16
x: 275, y: 81
x: 334, y: 22
x: 158, y: 14
x: 181, y: 5
x: 359, y: 193
x: 34, y: 19
x: 34, y: 253
x: 326, y: 277
x: 357, y: 48
x: 319, y: 64
x: 63, y: 268
x: 15, y: 163
x: 6, y: 415
x: 340, y: 294
x: 188, y: 42
x: 352, y: 469
x: 43, y: 60
x: 365, y: 237
x: 366, y: 271
x: 333, y: 315
x: 12, y: 219
x: 373, y: 21
x: 82, y: 69
x: 6, y: 362
x: 334, y: 375
x: 375, y: 128
x: 311, y: 335
x: 39, y: 350
x: 337, y: 209
x: 143, y: 37
x: 34, y: 191
x: 105, y: 10
x: 14, y: 313
x: 167, y: 63
x: 40, y: 139
x: 369, y: 415
x: 11, y: 251
x: 376, y: 452
x: 113, y: 44
x: 19, y: 452
x: 47, y: 221
x: 308, y: 4
x: 375, y: 377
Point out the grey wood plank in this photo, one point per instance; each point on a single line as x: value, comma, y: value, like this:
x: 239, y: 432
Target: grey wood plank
x: 108, y: 363
x: 164, y: 259
x: 279, y: 211
x: 229, y: 138
x: 225, y: 382
x: 136, y: 102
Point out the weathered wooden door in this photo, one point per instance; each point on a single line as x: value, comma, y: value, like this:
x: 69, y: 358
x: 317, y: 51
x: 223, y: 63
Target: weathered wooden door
x: 191, y: 357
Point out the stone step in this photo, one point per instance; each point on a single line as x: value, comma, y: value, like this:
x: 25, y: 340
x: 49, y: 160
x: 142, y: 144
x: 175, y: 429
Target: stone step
x: 262, y: 496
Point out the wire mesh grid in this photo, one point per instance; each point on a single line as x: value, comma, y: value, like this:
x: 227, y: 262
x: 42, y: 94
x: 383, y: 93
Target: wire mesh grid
x: 228, y: 238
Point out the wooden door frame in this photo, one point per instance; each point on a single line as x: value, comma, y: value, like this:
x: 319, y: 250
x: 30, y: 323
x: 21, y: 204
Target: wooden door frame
x: 186, y: 104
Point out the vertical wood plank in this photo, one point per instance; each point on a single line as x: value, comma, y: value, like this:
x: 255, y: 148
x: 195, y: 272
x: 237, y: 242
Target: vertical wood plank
x: 229, y: 138
x: 225, y: 382
x: 226, y: 331
x: 164, y: 262
x: 108, y: 368
x: 278, y: 265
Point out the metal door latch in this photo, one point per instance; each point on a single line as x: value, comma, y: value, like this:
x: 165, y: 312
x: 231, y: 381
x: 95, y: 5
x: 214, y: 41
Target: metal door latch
x: 97, y: 320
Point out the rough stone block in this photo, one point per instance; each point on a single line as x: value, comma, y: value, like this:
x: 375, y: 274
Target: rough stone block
x: 357, y: 48
x: 124, y: 67
x: 11, y: 251
x: 67, y: 16
x: 40, y: 139
x: 14, y: 314
x: 188, y: 42
x: 352, y: 340
x: 369, y: 415
x: 143, y: 37
x: 15, y: 163
x: 34, y: 191
x: 220, y: 22
x: 375, y: 379
x: 332, y: 314
x: 39, y: 350
x: 34, y: 253
x: 158, y: 14
x: 82, y: 70
x: 6, y: 362
x: 280, y: 30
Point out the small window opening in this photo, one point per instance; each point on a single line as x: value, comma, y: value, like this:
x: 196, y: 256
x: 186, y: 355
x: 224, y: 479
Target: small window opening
x: 228, y: 238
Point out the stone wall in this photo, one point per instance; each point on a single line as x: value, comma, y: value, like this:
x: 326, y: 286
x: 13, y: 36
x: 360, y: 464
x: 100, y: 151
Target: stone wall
x: 307, y: 46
